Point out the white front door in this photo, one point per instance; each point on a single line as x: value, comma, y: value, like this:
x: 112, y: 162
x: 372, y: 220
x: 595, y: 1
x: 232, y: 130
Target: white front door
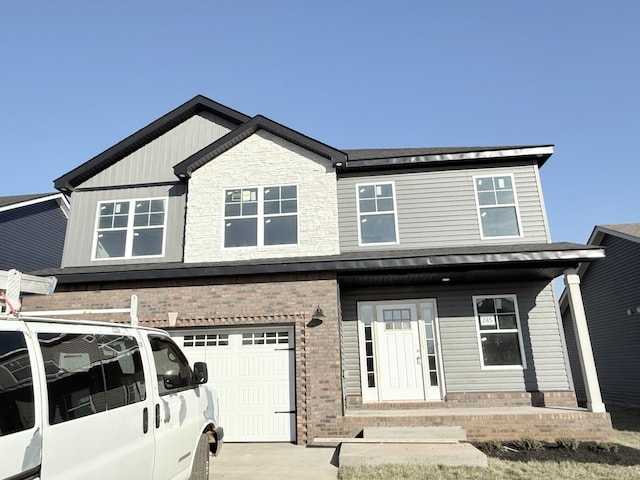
x: 399, y: 351
x: 400, y: 359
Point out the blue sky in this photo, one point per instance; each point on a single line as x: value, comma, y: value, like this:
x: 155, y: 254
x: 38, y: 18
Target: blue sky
x: 79, y: 76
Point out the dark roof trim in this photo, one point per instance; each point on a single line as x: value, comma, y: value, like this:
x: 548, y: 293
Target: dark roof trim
x: 198, y: 104
x: 627, y: 231
x: 19, y: 201
x: 565, y: 254
x: 403, y: 157
x: 185, y: 168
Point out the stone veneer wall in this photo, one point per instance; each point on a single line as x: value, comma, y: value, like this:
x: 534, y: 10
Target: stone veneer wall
x: 237, y: 301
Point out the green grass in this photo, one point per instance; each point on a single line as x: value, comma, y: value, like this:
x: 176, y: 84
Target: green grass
x: 626, y: 422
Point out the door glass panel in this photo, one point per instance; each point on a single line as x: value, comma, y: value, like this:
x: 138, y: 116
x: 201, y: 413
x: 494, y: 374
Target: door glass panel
x: 16, y: 385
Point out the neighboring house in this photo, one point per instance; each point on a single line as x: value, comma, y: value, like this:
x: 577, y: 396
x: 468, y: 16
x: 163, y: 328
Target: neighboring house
x: 611, y: 293
x: 330, y: 289
x: 32, y: 230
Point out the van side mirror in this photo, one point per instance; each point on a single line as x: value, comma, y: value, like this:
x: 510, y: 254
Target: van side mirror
x: 200, y: 374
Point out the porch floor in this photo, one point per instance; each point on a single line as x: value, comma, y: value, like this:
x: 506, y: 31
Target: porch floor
x: 457, y: 411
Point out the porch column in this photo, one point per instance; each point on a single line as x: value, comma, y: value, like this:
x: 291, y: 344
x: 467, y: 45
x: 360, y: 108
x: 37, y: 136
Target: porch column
x: 587, y: 363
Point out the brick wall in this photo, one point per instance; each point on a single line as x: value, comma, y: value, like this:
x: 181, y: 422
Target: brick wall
x: 237, y: 301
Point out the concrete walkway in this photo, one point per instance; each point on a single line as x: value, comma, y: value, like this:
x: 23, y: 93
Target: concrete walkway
x: 249, y: 461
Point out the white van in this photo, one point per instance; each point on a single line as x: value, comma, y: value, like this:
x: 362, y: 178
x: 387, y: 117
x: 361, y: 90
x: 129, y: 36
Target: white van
x: 89, y: 401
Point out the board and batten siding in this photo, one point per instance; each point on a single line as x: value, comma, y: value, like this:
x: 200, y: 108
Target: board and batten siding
x: 438, y: 208
x: 154, y: 162
x: 609, y: 288
x: 79, y: 241
x: 261, y: 160
x: 547, y: 364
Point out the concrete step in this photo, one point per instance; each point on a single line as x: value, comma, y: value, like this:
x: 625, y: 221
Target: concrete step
x: 458, y: 454
x: 427, y: 433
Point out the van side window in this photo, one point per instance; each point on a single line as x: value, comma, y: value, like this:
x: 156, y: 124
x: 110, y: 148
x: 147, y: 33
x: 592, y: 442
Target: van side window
x: 88, y: 374
x: 171, y: 365
x: 16, y: 384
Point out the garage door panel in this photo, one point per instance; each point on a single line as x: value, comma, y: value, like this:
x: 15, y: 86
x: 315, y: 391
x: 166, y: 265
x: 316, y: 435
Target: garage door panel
x: 253, y: 372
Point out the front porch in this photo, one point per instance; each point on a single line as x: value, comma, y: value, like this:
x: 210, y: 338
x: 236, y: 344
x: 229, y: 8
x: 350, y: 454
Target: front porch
x: 545, y: 416
x: 492, y: 423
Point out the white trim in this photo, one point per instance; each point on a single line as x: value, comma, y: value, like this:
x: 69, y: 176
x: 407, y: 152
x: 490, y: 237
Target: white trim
x: 523, y: 357
x: 56, y: 196
x: 395, y: 213
x: 260, y: 217
x: 129, y: 229
x: 515, y: 205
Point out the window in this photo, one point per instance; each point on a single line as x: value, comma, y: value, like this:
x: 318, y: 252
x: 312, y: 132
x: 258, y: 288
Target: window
x: 497, y: 206
x: 130, y: 228
x: 498, y: 328
x: 376, y: 213
x: 172, y: 368
x: 265, y: 338
x: 16, y: 385
x: 88, y: 374
x: 255, y: 217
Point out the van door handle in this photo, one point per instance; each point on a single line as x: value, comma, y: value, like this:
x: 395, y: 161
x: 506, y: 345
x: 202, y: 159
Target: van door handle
x: 157, y: 415
x: 145, y: 420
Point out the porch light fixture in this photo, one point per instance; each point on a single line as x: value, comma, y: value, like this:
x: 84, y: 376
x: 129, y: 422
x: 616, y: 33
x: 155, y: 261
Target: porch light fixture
x: 317, y: 317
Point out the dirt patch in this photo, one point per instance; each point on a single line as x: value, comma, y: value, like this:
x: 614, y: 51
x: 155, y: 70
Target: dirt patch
x: 585, y: 452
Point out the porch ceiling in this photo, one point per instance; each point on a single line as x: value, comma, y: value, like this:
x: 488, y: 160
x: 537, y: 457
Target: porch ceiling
x: 455, y: 276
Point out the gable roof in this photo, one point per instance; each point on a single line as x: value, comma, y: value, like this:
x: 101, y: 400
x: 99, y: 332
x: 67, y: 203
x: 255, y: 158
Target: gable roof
x: 18, y: 201
x: 145, y: 135
x: 628, y: 231
x: 185, y: 168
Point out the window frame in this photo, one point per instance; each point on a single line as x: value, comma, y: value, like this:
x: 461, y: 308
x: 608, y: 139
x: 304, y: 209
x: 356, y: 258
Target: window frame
x: 515, y: 205
x: 359, y: 213
x: 517, y: 330
x: 260, y: 216
x: 130, y: 229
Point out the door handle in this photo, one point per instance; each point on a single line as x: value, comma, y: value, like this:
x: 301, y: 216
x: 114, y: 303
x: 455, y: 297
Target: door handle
x: 157, y: 415
x: 145, y: 420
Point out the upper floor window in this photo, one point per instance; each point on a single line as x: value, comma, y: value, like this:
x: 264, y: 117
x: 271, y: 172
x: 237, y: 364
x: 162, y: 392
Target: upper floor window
x: 498, y: 327
x: 130, y: 228
x: 497, y: 206
x: 259, y: 216
x: 377, y: 213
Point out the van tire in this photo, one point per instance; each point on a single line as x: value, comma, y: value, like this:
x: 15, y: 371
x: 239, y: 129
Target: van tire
x: 200, y: 469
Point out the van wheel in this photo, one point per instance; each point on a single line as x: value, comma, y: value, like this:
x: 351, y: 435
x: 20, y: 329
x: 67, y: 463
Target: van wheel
x: 201, y: 461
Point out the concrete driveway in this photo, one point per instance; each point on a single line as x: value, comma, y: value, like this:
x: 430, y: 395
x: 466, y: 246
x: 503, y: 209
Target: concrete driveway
x: 249, y: 461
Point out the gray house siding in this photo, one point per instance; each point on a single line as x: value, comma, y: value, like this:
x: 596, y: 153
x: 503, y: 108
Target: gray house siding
x: 609, y: 288
x: 437, y: 208
x: 547, y: 368
x: 32, y: 237
x: 574, y: 360
x: 154, y: 162
x: 79, y: 243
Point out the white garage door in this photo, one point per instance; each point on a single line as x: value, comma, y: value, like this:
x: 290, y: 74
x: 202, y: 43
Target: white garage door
x: 253, y: 372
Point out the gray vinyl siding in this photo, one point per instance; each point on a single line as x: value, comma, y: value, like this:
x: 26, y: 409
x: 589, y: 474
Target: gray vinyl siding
x: 609, y: 288
x: 546, y: 370
x: 79, y: 241
x: 154, y: 162
x: 572, y: 350
x: 437, y: 208
x: 32, y: 236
